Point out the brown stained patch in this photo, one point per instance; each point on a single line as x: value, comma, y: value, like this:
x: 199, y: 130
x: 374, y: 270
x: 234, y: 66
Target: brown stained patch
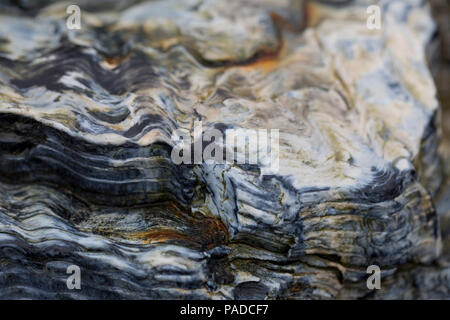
x: 161, y: 235
x: 202, y: 234
x: 267, y: 61
x: 112, y: 62
x: 263, y: 55
x: 176, y: 225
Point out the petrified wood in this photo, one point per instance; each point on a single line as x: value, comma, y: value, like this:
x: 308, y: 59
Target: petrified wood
x: 86, y: 176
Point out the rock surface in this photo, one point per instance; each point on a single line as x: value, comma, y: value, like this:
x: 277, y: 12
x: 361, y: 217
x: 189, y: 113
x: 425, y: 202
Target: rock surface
x: 86, y: 176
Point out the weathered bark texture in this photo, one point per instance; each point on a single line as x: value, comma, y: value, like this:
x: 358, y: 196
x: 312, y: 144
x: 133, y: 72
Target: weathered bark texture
x: 86, y: 176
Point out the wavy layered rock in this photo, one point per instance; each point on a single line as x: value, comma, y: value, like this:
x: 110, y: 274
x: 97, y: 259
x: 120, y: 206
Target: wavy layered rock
x: 87, y: 119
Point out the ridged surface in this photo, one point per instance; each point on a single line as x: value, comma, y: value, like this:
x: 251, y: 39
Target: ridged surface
x: 86, y: 178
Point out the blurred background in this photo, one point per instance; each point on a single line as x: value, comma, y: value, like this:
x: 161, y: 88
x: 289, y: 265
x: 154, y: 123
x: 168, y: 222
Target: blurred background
x: 440, y: 66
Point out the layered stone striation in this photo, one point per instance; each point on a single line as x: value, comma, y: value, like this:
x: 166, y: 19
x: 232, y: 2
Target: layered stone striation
x: 86, y: 175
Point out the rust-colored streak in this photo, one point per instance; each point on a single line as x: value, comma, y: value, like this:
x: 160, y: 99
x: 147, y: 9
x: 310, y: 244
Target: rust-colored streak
x: 190, y: 229
x: 112, y: 62
x: 266, y: 61
x: 161, y: 235
x: 203, y: 234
